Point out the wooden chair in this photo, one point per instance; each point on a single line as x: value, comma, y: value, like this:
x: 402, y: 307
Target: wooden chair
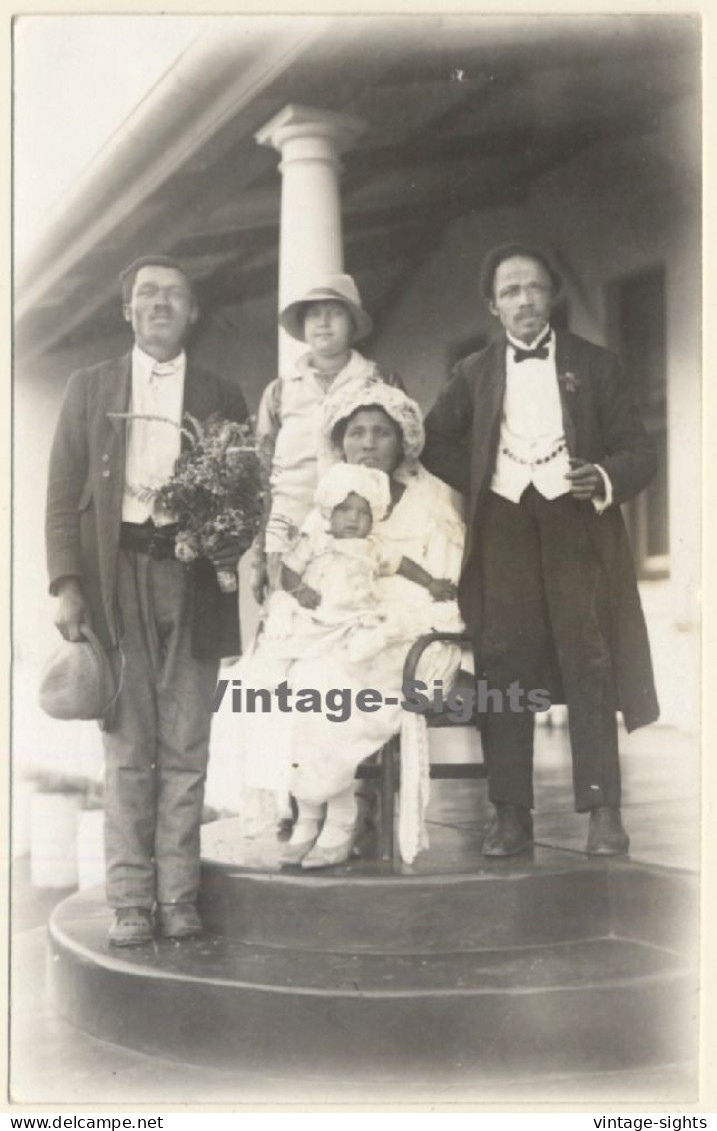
x: 384, y: 766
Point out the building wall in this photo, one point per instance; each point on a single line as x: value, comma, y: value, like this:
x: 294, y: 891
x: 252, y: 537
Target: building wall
x: 612, y: 210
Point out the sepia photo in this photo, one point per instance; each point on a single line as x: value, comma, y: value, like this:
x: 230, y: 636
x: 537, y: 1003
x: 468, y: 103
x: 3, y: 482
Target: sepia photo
x: 356, y: 536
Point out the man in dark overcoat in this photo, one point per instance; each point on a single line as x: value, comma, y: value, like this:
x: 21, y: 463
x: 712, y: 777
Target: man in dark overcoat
x: 164, y: 624
x: 541, y: 432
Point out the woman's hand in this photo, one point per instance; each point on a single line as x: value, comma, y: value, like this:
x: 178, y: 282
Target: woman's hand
x: 441, y: 589
x: 259, y: 578
x: 307, y: 597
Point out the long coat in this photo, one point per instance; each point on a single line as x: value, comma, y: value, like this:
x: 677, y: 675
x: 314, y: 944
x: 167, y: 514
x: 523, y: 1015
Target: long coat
x: 86, y: 486
x: 602, y: 425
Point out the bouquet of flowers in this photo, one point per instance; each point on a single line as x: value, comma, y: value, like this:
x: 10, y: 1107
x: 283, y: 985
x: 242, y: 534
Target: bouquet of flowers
x: 216, y: 492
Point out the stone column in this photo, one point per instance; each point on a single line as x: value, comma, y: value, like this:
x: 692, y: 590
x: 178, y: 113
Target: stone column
x: 311, y: 242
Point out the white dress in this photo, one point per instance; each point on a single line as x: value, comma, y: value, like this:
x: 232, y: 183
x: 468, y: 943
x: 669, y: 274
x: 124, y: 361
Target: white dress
x: 344, y: 572
x: 313, y: 754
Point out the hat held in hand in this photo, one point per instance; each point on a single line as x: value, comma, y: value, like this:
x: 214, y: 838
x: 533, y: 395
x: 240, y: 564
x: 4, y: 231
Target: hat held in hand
x: 77, y: 681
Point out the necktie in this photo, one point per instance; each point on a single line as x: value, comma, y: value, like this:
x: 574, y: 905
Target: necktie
x: 540, y: 349
x: 164, y: 368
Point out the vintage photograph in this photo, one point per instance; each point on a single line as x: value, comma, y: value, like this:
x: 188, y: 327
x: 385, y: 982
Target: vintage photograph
x: 356, y: 502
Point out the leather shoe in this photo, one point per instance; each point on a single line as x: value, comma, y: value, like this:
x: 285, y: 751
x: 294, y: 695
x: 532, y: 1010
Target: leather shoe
x: 132, y: 926
x: 606, y: 835
x: 178, y: 920
x: 510, y: 832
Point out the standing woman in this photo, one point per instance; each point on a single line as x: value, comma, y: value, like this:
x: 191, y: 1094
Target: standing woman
x: 329, y: 317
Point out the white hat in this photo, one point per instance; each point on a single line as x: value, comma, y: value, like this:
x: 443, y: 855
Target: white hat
x: 345, y: 479
x: 404, y: 411
x: 339, y: 288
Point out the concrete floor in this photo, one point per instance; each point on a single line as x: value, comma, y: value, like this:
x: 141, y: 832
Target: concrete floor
x: 660, y: 771
x: 53, y: 1063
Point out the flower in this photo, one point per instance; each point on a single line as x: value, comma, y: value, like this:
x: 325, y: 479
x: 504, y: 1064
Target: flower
x: 570, y: 380
x: 216, y: 492
x: 185, y: 549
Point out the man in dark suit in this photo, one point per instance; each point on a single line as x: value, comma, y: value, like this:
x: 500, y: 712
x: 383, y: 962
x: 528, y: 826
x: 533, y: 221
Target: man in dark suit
x: 164, y: 624
x: 540, y: 431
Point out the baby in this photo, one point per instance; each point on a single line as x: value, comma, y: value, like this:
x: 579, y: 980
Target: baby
x: 328, y: 578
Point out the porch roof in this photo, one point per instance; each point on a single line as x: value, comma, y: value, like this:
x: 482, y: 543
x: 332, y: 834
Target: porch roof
x: 463, y: 114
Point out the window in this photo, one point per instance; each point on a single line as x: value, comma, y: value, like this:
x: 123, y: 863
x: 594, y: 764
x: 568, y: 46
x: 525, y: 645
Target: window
x: 637, y: 317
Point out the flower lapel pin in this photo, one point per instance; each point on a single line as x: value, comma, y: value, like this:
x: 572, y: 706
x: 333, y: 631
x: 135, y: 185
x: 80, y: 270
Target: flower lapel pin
x: 570, y: 381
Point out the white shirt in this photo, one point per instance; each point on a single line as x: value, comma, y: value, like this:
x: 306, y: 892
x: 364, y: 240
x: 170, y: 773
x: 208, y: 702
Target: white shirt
x: 152, y: 445
x: 532, y: 446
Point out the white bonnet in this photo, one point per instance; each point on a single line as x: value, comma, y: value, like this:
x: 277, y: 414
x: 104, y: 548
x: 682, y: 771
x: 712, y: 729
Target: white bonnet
x: 402, y: 410
x: 344, y: 479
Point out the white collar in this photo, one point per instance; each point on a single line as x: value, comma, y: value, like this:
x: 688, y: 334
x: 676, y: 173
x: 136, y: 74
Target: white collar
x: 517, y: 344
x: 356, y: 366
x: 143, y: 363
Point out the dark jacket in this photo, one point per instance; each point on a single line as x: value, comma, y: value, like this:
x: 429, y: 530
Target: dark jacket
x: 84, y: 500
x: 602, y: 425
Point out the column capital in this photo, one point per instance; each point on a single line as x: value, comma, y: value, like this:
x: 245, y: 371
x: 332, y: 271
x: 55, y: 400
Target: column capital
x: 305, y: 122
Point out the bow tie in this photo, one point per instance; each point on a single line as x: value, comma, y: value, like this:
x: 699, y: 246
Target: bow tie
x: 540, y: 350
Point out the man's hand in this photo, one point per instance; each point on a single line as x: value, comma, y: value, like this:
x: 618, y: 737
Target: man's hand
x: 586, y: 482
x: 72, y: 610
x: 307, y: 597
x: 226, y: 554
x: 441, y: 589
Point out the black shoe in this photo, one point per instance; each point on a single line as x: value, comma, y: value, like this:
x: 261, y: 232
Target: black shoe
x: 606, y: 835
x: 510, y: 832
x: 178, y: 921
x: 132, y: 926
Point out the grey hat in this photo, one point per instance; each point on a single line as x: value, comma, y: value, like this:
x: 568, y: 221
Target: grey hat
x: 77, y: 681
x: 336, y: 288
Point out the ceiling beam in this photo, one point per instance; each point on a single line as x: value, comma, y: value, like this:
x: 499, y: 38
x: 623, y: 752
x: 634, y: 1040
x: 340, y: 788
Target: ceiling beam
x: 221, y: 74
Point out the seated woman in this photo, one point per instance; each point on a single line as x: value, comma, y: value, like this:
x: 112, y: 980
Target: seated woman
x: 312, y: 754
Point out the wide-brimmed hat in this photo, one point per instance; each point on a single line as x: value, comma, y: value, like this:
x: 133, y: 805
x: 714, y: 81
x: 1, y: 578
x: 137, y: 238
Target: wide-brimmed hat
x: 77, y: 681
x: 339, y: 288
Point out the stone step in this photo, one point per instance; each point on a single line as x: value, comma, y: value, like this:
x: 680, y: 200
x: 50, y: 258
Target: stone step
x: 546, y: 897
x: 344, y: 912
x: 600, y: 1004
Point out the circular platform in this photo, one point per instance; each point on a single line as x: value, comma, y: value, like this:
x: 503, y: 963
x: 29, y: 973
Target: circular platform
x: 221, y: 1002
x: 549, y: 964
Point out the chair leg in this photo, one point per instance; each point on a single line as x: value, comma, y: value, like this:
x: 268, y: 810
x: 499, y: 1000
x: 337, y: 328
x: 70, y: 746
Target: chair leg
x: 388, y: 795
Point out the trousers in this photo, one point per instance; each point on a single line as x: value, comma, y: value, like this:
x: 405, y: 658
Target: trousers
x: 156, y: 755
x: 545, y: 624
